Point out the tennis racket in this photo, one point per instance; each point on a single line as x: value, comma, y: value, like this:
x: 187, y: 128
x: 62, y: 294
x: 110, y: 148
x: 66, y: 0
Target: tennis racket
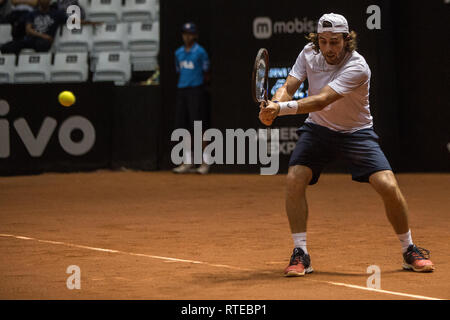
x: 260, y: 84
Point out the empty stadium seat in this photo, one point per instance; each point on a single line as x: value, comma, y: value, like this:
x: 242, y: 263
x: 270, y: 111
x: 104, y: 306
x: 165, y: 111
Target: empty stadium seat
x: 27, y: 51
x: 143, y: 43
x: 143, y: 61
x: 85, y: 4
x: 75, y: 40
x: 33, y: 68
x: 5, y: 33
x: 143, y: 36
x: 157, y: 10
x: 7, y: 67
x: 104, y: 10
x: 110, y: 37
x: 113, y: 66
x: 69, y: 67
x: 139, y: 10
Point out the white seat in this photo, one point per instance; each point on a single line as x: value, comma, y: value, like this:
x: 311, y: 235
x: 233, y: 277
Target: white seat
x: 7, y: 67
x: 69, y: 67
x: 85, y: 4
x: 75, y: 40
x: 110, y: 37
x: 113, y: 66
x: 104, y: 10
x: 139, y: 10
x: 143, y: 36
x: 33, y: 68
x: 143, y: 43
x: 5, y: 33
x: 143, y: 61
x: 27, y: 51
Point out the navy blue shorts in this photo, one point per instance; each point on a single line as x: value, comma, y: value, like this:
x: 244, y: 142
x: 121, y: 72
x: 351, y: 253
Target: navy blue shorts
x: 317, y: 146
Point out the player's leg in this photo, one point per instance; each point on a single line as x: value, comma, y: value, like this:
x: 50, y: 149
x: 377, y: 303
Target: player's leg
x: 309, y: 157
x: 369, y: 164
x: 385, y: 184
x: 298, y: 178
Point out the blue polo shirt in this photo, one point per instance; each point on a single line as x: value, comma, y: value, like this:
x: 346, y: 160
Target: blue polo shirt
x: 191, y: 65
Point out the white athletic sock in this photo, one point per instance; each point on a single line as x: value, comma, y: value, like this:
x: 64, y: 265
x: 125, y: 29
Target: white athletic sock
x: 187, y: 158
x: 405, y: 240
x: 300, y: 241
x: 206, y: 158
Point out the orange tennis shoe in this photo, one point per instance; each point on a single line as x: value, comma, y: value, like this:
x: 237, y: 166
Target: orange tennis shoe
x: 417, y: 259
x: 299, y: 264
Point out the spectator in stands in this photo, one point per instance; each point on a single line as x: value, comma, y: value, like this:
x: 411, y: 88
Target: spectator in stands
x: 41, y: 26
x: 17, y: 16
x: 192, y: 65
x: 5, y: 9
x: 64, y: 4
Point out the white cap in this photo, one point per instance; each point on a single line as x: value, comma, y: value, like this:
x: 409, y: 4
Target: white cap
x: 336, y: 23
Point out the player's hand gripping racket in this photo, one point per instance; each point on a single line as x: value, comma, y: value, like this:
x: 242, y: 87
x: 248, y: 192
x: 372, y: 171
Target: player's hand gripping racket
x: 260, y: 75
x: 260, y: 83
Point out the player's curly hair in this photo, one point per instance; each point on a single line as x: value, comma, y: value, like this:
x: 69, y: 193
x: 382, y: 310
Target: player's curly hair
x: 350, y: 41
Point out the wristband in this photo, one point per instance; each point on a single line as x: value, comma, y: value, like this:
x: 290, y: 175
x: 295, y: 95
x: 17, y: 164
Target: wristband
x: 289, y: 107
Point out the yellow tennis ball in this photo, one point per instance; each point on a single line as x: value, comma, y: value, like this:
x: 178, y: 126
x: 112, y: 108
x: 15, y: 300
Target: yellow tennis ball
x: 66, y: 98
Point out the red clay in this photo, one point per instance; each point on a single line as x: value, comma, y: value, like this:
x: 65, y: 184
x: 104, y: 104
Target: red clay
x: 222, y: 220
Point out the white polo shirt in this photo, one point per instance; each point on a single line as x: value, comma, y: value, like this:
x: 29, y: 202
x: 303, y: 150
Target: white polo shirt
x: 350, y: 78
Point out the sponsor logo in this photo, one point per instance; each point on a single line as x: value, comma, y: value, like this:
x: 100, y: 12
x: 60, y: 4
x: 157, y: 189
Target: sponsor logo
x: 185, y: 64
x: 36, y: 144
x: 264, y: 28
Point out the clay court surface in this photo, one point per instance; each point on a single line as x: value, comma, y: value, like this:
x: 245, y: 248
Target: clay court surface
x: 211, y: 237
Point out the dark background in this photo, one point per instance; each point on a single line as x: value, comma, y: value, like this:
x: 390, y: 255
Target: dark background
x: 126, y: 122
x: 409, y: 95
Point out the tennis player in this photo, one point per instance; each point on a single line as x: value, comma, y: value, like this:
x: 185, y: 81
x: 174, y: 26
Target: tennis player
x: 339, y: 125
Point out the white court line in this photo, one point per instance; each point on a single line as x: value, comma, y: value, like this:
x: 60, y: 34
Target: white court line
x: 211, y: 265
x: 377, y: 290
x: 123, y: 252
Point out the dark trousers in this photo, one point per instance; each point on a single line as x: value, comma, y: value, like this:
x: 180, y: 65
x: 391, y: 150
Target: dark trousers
x: 36, y: 43
x: 17, y: 20
x: 192, y: 105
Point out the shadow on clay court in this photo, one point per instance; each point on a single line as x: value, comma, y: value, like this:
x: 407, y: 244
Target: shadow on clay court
x: 276, y: 275
x: 353, y: 274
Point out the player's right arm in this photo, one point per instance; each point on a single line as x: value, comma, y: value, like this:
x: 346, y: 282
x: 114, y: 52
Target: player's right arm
x: 284, y: 93
x: 287, y: 90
